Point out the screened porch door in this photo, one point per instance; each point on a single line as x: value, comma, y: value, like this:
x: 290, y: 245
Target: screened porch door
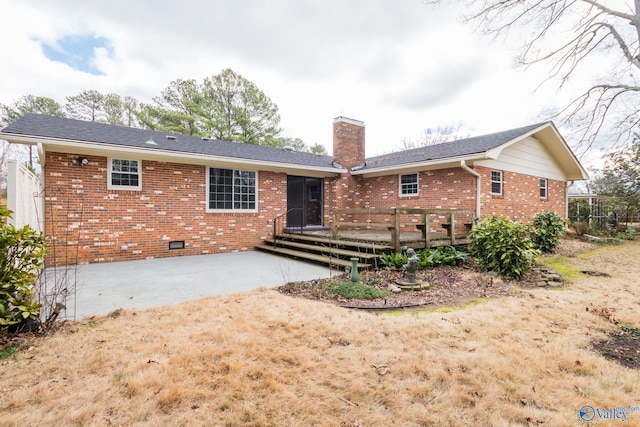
x: 304, y: 201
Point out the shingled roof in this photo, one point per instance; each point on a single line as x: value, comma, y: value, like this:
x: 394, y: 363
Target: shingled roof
x: 449, y: 150
x: 84, y: 136
x: 58, y: 128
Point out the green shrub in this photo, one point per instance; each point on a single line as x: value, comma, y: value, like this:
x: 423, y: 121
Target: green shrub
x: 21, y: 258
x: 625, y: 235
x: 349, y: 290
x: 548, y: 226
x: 503, y: 246
x: 446, y: 255
x: 394, y: 260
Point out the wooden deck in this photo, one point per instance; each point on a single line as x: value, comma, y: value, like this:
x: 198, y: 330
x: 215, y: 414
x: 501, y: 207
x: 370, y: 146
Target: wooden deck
x: 366, y: 234
x: 412, y: 227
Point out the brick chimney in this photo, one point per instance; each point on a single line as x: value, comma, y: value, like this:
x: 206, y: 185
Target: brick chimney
x: 348, y: 151
x: 348, y: 142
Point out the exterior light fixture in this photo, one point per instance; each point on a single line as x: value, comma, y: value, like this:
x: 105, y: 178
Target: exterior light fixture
x: 80, y: 161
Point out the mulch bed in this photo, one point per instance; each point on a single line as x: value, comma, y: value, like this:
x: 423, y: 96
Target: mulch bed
x: 450, y: 286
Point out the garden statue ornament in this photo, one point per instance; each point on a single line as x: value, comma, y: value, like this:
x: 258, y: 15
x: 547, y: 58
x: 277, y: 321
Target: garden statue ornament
x: 409, y: 279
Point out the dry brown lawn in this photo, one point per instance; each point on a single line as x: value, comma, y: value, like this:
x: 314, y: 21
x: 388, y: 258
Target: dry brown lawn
x: 266, y: 359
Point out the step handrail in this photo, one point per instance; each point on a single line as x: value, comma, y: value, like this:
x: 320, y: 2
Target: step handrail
x: 278, y: 219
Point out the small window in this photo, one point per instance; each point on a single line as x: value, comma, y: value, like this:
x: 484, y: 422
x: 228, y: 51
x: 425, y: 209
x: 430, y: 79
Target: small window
x: 496, y: 182
x: 232, y: 189
x: 125, y: 174
x: 543, y: 188
x: 409, y: 184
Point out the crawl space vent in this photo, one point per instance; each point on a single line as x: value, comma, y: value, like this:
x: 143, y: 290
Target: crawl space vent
x: 176, y: 244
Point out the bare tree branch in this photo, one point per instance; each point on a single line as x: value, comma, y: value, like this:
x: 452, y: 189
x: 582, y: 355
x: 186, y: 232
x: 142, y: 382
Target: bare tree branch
x: 569, y: 36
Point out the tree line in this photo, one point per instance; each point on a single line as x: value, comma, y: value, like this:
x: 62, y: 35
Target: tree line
x: 225, y: 106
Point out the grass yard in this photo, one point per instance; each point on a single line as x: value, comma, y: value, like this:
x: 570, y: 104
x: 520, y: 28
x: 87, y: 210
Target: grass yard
x: 266, y: 359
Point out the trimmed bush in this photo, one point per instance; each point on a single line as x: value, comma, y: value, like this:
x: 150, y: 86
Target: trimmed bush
x: 548, y: 226
x: 503, y: 246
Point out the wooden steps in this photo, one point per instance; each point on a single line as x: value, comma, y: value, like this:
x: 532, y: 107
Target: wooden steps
x: 326, y: 251
x: 336, y: 242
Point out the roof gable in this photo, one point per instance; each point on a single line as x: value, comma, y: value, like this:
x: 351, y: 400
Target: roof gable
x: 451, y: 149
x: 478, y: 148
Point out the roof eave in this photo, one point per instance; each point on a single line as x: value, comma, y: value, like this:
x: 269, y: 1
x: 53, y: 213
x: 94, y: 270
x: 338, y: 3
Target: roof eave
x: 88, y: 147
x: 412, y: 167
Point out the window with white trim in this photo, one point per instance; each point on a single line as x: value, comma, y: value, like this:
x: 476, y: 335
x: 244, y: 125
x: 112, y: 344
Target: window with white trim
x: 409, y: 184
x: 496, y: 182
x: 543, y: 188
x: 124, y: 174
x: 232, y: 189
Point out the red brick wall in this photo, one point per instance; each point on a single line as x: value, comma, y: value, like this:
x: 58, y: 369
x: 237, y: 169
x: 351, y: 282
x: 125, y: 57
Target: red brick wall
x: 171, y: 206
x: 441, y: 189
x: 520, y: 199
x: 455, y: 188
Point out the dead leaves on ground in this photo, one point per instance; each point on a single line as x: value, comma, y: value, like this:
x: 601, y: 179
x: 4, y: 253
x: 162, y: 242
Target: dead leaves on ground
x: 381, y: 369
x: 604, y: 312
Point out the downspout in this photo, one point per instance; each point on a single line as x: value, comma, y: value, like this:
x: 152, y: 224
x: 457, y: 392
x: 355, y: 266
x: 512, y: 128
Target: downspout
x: 41, y: 154
x: 464, y: 166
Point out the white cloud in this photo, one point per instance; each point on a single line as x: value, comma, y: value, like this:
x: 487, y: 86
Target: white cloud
x: 400, y: 66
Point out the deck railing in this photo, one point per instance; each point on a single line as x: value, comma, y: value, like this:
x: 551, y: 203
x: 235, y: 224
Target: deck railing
x: 435, y: 224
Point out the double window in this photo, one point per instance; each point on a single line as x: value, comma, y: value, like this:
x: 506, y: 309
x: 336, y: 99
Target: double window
x: 409, y: 184
x: 125, y: 174
x: 496, y: 183
x: 232, y: 189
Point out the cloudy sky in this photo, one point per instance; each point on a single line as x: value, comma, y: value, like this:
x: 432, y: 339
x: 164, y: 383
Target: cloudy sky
x: 398, y: 65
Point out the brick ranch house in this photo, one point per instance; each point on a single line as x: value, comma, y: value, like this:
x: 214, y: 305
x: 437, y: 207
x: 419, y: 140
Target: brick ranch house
x: 118, y: 193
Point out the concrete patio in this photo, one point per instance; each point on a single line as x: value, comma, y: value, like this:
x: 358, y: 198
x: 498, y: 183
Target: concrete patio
x: 103, y: 288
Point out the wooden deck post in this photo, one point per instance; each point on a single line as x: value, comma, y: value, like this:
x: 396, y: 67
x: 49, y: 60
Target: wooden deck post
x: 395, y: 232
x: 452, y: 230
x: 426, y: 233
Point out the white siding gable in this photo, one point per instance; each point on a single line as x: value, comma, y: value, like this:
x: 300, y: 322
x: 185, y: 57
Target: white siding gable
x: 528, y: 157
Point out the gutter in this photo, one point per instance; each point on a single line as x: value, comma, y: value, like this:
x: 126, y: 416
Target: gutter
x: 417, y: 166
x: 463, y: 165
x: 162, y: 154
